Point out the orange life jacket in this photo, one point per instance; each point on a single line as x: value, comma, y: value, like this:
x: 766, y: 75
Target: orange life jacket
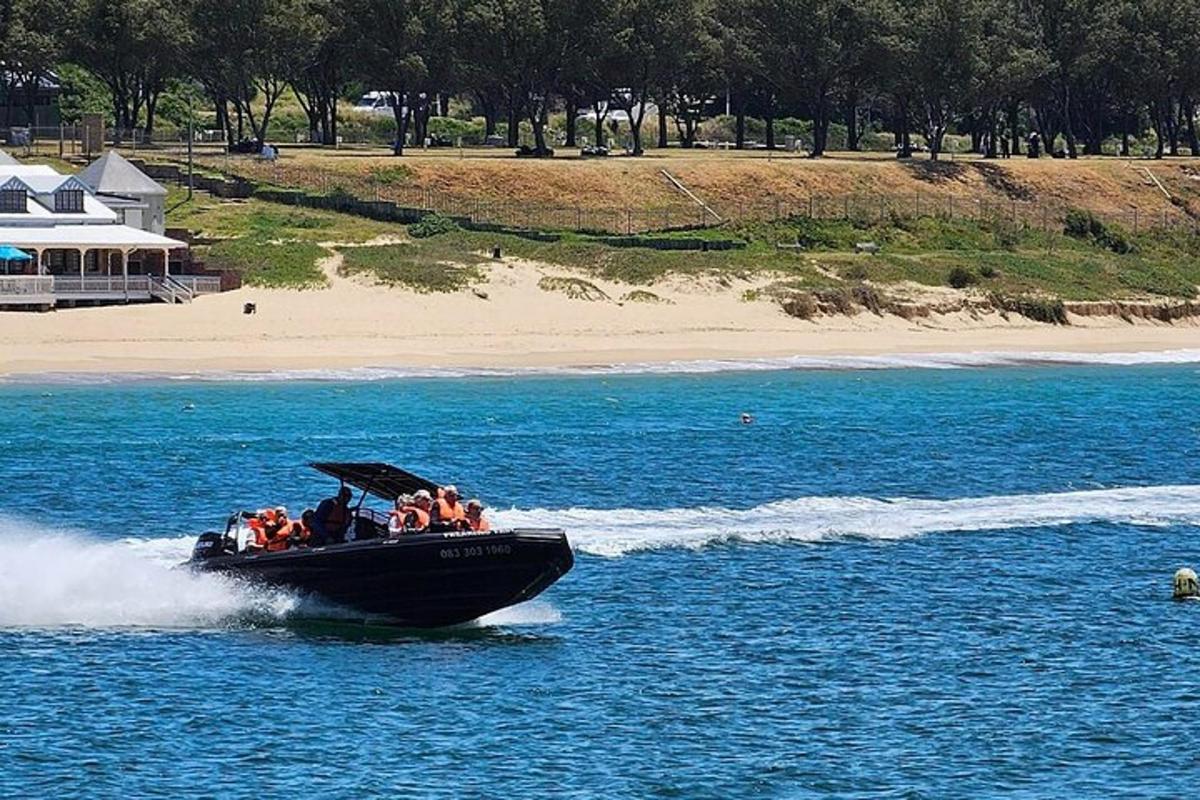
x: 450, y: 513
x: 277, y: 539
x: 422, y: 517
x: 259, y: 530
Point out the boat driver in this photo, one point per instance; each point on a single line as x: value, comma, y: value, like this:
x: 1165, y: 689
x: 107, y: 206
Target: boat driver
x: 332, y: 519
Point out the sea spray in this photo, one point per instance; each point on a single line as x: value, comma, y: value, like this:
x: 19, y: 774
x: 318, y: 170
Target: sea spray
x: 51, y: 579
x: 615, y: 532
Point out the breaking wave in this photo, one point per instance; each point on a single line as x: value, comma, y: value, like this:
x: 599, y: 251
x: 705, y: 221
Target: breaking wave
x: 615, y: 532
x: 682, y: 367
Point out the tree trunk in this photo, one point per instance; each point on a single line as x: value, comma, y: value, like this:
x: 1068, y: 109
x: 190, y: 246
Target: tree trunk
x: 662, y: 126
x: 401, y: 112
x: 514, y: 129
x: 572, y: 111
x: 770, y: 132
x: 1014, y: 128
x: 820, y: 127
x: 739, y: 129
x: 852, y: 136
x: 601, y: 111
x: 1193, y: 140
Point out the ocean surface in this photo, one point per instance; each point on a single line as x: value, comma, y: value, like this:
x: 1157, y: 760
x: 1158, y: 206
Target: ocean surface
x: 932, y: 581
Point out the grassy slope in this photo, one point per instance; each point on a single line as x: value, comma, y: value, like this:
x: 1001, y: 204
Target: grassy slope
x: 1001, y: 258
x: 270, y: 244
x: 735, y: 182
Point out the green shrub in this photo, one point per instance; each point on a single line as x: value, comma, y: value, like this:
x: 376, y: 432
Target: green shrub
x: 432, y: 225
x: 987, y: 271
x: 961, y: 278
x: 1040, y: 309
x: 1086, y: 226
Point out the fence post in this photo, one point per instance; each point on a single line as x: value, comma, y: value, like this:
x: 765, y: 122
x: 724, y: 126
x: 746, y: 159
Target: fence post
x: 810, y: 207
x: 628, y: 221
x: 1135, y: 221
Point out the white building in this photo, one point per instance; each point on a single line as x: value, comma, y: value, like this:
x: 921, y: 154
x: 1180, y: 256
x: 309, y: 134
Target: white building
x: 96, y: 237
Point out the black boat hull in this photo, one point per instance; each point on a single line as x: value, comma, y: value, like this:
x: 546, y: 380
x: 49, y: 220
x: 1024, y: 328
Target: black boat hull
x: 422, y: 580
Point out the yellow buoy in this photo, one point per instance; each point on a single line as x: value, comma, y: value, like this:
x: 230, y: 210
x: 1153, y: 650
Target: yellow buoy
x: 1186, y: 584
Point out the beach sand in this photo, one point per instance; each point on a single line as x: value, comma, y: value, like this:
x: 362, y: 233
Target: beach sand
x: 353, y: 324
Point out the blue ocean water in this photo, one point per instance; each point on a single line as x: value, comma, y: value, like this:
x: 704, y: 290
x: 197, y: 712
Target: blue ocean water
x: 905, y: 583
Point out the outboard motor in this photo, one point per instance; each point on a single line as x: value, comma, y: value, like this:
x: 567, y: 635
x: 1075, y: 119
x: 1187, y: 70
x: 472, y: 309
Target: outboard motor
x: 209, y: 545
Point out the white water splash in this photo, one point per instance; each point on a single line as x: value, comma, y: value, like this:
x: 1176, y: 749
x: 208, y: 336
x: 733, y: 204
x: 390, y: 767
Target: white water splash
x: 615, y: 532
x: 55, y: 579
x: 533, y: 612
x: 964, y: 360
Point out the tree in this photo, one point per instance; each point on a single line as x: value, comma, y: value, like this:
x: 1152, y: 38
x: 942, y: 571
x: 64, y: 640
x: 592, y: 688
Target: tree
x: 135, y: 47
x: 650, y: 39
x: 31, y: 44
x: 936, y: 48
x: 810, y: 48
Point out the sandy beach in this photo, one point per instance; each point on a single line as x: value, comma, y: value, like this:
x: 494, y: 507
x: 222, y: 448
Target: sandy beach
x: 353, y: 324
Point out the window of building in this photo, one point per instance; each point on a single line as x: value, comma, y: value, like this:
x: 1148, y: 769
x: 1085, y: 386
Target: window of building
x: 12, y: 201
x: 68, y: 201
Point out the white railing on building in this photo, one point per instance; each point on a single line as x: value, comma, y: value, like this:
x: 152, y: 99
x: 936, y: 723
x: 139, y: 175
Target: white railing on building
x: 200, y: 284
x: 100, y: 284
x: 25, y: 285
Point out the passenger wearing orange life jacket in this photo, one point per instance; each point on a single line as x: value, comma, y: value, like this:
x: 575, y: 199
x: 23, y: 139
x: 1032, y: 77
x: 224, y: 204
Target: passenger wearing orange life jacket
x: 475, y: 518
x: 260, y: 524
x: 448, y: 511
x: 278, y: 531
x: 414, y: 512
x: 400, y: 515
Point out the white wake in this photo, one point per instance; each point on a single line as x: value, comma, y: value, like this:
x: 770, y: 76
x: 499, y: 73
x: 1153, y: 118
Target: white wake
x: 52, y: 579
x: 615, y: 532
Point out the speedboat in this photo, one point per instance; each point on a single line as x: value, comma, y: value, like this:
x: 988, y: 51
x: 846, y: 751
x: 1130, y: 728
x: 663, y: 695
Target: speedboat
x: 426, y: 580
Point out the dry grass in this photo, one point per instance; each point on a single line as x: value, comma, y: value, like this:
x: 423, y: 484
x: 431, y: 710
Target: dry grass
x: 732, y: 180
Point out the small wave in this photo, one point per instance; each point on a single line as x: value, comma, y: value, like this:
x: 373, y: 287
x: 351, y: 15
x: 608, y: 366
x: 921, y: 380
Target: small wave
x: 968, y: 360
x: 616, y: 532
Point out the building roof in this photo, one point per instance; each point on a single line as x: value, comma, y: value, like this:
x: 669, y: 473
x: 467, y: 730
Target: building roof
x: 6, y: 159
x: 90, y: 236
x: 111, y: 173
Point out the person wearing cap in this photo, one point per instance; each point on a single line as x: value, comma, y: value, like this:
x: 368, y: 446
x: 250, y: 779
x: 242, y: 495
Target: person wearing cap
x: 401, y: 517
x: 332, y: 519
x: 422, y: 504
x: 475, y: 518
x: 448, y: 511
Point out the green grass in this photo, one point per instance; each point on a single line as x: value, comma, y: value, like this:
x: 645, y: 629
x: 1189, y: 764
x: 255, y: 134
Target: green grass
x: 1004, y: 258
x: 277, y: 265
x: 422, y: 269
x: 270, y: 244
x: 215, y: 218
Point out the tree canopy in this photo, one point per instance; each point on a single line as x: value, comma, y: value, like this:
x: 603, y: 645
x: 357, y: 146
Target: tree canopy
x: 1078, y: 72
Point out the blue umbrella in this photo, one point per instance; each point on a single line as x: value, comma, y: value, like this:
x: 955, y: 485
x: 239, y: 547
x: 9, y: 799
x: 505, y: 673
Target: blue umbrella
x: 10, y: 253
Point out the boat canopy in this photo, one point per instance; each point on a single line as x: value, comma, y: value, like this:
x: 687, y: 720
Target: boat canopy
x: 382, y: 480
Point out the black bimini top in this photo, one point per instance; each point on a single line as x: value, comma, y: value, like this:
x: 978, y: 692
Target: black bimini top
x: 382, y: 480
